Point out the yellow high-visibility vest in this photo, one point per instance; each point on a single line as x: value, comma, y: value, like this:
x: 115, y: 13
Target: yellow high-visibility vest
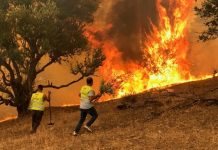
x: 85, y: 91
x: 37, y: 101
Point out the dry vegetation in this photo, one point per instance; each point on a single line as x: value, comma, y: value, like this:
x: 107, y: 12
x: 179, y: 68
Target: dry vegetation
x: 181, y: 117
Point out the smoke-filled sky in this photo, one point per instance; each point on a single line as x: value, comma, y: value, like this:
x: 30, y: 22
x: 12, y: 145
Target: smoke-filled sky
x: 130, y: 23
x: 203, y: 56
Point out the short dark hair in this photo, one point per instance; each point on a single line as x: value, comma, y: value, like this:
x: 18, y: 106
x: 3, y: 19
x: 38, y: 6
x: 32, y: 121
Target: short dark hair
x: 40, y: 87
x: 89, y: 80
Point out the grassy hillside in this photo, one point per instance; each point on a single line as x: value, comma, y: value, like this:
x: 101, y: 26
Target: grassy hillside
x: 180, y: 117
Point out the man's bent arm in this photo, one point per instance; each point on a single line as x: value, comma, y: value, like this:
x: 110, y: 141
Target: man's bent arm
x: 94, y: 98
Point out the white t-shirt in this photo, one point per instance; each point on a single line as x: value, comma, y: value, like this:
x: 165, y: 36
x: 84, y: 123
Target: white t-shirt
x: 85, y: 103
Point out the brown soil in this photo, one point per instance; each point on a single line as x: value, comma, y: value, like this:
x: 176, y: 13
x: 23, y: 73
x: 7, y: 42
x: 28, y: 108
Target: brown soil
x: 180, y: 117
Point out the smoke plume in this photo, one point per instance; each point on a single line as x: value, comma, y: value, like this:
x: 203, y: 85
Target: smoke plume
x: 130, y: 22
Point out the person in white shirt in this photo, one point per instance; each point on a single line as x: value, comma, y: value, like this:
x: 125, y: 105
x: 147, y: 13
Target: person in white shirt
x: 87, y: 98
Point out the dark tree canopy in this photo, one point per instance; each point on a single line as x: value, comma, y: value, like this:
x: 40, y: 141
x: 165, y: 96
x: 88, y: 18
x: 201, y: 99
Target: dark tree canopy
x: 209, y: 13
x: 31, y: 30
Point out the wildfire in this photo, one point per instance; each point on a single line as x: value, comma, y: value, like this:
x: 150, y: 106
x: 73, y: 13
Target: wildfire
x: 168, y: 46
x: 164, y: 53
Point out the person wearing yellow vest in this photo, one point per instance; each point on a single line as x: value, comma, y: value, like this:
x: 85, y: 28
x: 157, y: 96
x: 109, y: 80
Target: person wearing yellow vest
x: 87, y: 98
x: 37, y: 107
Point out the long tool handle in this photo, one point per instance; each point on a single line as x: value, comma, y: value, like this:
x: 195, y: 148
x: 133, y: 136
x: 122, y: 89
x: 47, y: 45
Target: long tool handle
x: 50, y: 110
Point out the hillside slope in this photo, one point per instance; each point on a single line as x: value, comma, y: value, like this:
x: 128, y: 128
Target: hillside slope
x: 180, y: 117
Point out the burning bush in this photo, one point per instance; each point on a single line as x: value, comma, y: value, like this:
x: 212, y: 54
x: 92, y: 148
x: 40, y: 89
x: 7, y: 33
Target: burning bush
x: 106, y: 88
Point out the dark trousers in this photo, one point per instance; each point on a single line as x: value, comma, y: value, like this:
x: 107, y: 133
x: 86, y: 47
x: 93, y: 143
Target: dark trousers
x: 83, y: 113
x: 36, y: 119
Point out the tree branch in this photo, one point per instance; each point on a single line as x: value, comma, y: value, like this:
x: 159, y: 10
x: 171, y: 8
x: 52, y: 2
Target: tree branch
x: 31, y: 74
x: 7, y: 102
x: 8, y: 67
x: 50, y: 85
x: 17, y: 70
x: 45, y: 66
x: 4, y: 78
x: 6, y: 91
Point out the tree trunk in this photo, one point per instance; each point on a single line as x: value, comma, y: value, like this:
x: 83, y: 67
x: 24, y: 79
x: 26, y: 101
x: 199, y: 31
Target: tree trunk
x: 22, y: 97
x: 22, y: 110
x: 22, y: 104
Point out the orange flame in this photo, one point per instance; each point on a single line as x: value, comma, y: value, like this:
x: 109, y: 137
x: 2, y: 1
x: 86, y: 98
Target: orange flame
x: 165, y: 53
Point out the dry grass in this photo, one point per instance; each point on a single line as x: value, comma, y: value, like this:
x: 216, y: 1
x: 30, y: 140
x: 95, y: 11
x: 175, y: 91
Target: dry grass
x: 155, y: 120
